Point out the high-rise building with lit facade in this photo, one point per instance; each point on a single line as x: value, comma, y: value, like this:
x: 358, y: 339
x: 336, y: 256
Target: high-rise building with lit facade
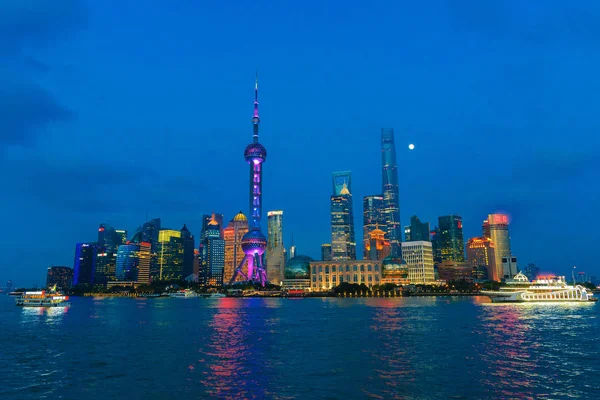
x: 419, y: 259
x: 275, y: 248
x: 188, y: 251
x: 213, y: 255
x: 206, y: 218
x: 391, y: 196
x: 144, y: 259
x: 127, y: 262
x: 481, y: 252
x: 498, y: 228
x: 373, y: 218
x: 451, y: 241
x: 435, y: 245
x: 417, y: 230
x: 343, y: 243
x: 84, y: 266
x: 326, y: 252
x: 170, y: 255
x: 62, y: 277
x: 233, y: 234
x: 148, y: 233
x: 109, y: 239
x: 378, y: 247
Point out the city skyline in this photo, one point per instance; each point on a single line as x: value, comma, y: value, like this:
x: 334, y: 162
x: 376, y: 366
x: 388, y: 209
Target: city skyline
x: 492, y: 135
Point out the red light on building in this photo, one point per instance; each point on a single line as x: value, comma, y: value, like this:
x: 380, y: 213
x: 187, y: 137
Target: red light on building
x: 101, y: 229
x: 459, y: 224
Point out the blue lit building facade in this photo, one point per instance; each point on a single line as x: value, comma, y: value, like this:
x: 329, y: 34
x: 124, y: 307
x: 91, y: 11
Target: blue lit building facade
x: 84, y: 266
x: 128, y: 262
x: 212, y: 255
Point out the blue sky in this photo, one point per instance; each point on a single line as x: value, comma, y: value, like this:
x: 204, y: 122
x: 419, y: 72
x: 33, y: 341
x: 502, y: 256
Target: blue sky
x: 110, y: 108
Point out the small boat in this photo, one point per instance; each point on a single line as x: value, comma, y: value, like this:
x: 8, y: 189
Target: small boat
x: 42, y: 298
x: 183, y: 294
x: 213, y: 295
x: 551, y: 289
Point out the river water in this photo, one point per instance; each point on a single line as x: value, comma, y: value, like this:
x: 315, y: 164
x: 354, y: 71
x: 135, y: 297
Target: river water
x: 321, y: 348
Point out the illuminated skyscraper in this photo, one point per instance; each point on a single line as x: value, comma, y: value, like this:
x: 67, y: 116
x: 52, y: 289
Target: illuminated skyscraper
x: 144, y: 258
x: 170, y: 255
x: 343, y: 243
x: 62, y: 277
x: 378, y: 247
x: 275, y: 248
x: 254, y: 243
x: 84, y: 266
x: 213, y: 255
x: 481, y: 252
x: 498, y: 226
x: 188, y: 251
x: 206, y: 218
x: 109, y: 239
x: 391, y: 196
x: 127, y: 262
x: 373, y: 218
x: 451, y: 241
x: 233, y: 234
x: 148, y: 233
x: 419, y: 259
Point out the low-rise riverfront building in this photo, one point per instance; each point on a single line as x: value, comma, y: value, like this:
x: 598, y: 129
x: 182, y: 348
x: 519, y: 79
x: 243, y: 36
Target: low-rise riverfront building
x: 325, y: 275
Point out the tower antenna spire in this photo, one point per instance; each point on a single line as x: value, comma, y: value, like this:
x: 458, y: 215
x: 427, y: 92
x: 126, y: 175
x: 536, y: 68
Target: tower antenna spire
x: 255, y: 118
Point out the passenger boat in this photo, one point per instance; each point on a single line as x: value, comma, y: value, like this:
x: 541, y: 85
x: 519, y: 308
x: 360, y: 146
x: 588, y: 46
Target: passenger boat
x: 42, y: 298
x: 552, y: 289
x: 183, y: 294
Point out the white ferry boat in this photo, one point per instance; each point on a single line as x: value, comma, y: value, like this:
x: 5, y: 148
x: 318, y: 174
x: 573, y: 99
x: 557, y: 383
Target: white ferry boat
x: 552, y: 289
x: 43, y: 298
x: 183, y: 294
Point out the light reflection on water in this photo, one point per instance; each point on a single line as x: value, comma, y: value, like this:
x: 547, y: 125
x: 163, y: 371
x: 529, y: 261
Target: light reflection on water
x: 409, y: 348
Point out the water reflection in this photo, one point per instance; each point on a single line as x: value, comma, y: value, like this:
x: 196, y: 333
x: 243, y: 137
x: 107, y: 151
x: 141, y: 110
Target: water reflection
x: 232, y: 369
x: 51, y: 314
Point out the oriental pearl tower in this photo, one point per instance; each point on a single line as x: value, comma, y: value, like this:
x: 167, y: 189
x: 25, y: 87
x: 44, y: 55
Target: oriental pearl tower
x: 254, y: 242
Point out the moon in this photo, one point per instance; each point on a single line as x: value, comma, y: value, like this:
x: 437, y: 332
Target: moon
x: 411, y: 146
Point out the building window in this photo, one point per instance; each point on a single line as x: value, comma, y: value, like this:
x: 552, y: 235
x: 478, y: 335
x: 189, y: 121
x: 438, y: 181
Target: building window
x: 354, y: 268
x: 376, y: 278
x: 369, y: 267
x: 326, y: 269
x: 362, y: 278
x: 376, y: 268
x: 347, y: 278
x: 314, y: 269
x: 333, y: 278
x: 347, y: 268
x: 314, y: 278
x: 320, y: 278
x: 341, y: 278
x: 370, y: 278
x: 355, y: 278
x: 320, y: 268
x: 362, y: 268
x: 327, y: 278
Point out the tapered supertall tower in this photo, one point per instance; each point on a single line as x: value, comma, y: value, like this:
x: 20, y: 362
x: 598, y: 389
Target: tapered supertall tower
x: 254, y: 242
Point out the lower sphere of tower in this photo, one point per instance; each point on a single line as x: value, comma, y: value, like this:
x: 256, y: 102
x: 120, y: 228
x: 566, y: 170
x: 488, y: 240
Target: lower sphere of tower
x: 254, y: 242
x: 255, y: 152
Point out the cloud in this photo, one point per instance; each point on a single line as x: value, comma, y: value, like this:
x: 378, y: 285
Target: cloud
x: 37, y: 23
x: 85, y: 186
x: 24, y: 110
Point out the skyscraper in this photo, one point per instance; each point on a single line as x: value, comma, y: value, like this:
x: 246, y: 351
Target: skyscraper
x: 170, y: 255
x: 148, y: 233
x: 144, y: 258
x: 127, y: 262
x: 419, y: 259
x: 378, y: 247
x: 62, y: 277
x: 451, y: 238
x: 373, y: 218
x: 108, y: 242
x: 391, y: 196
x: 326, y: 252
x: 343, y: 243
x: 481, y: 252
x: 418, y: 230
x: 84, y: 266
x: 188, y: 251
x: 213, y: 255
x: 275, y: 248
x: 498, y: 228
x: 233, y: 234
x: 206, y: 218
x: 254, y: 243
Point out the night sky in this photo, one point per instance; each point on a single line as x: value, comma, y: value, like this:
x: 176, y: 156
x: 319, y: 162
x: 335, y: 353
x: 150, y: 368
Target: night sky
x: 109, y: 109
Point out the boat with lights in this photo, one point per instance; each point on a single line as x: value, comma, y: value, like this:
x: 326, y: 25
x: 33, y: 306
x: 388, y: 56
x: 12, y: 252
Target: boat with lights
x: 548, y: 289
x: 43, y: 298
x: 183, y: 294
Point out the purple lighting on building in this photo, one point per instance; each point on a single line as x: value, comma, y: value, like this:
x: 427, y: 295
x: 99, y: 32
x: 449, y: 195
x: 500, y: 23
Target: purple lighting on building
x: 254, y: 242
